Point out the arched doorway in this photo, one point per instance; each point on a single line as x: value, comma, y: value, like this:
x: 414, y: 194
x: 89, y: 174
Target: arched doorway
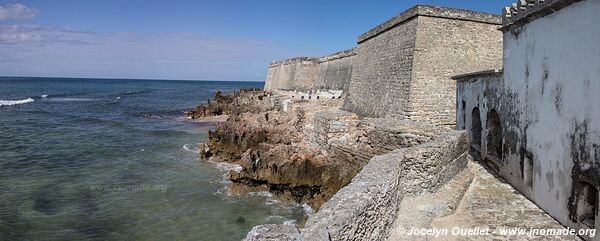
x: 476, y: 128
x: 494, y: 135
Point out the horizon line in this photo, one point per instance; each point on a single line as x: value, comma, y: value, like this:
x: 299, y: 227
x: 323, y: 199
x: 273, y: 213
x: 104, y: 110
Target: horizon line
x: 116, y: 78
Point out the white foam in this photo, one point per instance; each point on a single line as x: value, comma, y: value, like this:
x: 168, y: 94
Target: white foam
x: 275, y: 217
x: 307, y: 209
x: 44, y: 96
x: 222, y: 192
x: 289, y: 222
x: 271, y: 201
x: 189, y: 148
x: 15, y: 102
x: 69, y: 99
x: 226, y: 167
x: 261, y: 194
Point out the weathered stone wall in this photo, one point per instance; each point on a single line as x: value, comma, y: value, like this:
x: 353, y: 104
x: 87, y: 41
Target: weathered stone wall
x: 331, y: 72
x: 348, y: 138
x: 446, y: 48
x: 295, y: 73
x: 552, y: 68
x: 404, y: 66
x: 547, y: 103
x: 478, y: 94
x: 335, y: 70
x: 365, y: 208
x: 381, y: 73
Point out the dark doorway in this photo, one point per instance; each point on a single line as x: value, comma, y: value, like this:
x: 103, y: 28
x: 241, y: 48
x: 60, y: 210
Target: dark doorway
x: 464, y: 115
x: 494, y: 136
x: 528, y: 171
x: 476, y: 127
x: 587, y: 204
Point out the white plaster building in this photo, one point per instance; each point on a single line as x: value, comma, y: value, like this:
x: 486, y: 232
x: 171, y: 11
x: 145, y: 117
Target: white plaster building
x: 537, y: 121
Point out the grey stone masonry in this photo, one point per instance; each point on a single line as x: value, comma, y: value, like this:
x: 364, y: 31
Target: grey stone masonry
x: 403, y: 67
x: 365, y: 209
x: 431, y: 11
x: 331, y: 72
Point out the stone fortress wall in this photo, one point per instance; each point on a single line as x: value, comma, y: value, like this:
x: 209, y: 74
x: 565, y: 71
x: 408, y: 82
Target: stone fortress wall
x: 402, y: 68
x: 404, y: 65
x: 331, y: 72
x: 282, y: 74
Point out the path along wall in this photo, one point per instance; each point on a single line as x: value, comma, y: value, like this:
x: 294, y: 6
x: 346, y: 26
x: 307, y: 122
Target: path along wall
x: 403, y: 66
x: 331, y: 72
x: 367, y: 207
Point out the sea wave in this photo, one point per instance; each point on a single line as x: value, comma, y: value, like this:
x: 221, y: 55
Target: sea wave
x: 226, y: 167
x: 289, y: 222
x: 271, y: 201
x: 189, y: 148
x: 15, y: 102
x: 60, y: 95
x: 134, y: 92
x: 69, y: 99
x: 261, y: 194
x: 307, y: 209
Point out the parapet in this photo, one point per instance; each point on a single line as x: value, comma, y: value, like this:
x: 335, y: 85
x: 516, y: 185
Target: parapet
x: 338, y: 55
x: 292, y: 60
x: 485, y: 73
x: 525, y: 11
x: 334, y: 56
x: 432, y: 11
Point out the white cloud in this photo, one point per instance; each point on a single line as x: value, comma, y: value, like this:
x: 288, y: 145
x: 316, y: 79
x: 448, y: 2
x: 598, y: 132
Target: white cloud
x: 20, y: 33
x: 36, y: 50
x: 17, y: 11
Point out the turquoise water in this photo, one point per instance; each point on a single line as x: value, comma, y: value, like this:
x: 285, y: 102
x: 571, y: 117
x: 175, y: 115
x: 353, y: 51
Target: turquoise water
x: 94, y: 159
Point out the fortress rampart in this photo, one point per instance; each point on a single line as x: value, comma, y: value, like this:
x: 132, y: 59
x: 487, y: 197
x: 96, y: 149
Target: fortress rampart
x: 402, y: 68
x: 331, y: 72
x: 404, y: 65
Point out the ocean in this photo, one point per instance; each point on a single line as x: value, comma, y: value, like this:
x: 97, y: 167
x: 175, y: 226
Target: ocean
x: 112, y: 159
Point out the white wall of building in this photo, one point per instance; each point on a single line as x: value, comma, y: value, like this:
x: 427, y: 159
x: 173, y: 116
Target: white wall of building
x: 549, y: 105
x: 553, y: 66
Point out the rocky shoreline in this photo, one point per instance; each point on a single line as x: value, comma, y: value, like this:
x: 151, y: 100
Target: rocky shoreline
x: 269, y: 144
x: 363, y: 176
x: 299, y: 146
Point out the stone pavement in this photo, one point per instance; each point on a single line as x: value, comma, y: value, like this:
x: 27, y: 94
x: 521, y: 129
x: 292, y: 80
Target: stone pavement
x: 488, y: 206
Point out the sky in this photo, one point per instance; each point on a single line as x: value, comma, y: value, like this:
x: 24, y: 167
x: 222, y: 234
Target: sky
x: 191, y: 40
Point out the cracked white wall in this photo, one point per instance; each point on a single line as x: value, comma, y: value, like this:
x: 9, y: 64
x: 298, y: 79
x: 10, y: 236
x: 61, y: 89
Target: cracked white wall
x: 549, y: 106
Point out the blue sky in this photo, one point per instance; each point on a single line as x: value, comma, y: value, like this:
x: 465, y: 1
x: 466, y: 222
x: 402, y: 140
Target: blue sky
x: 199, y: 40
